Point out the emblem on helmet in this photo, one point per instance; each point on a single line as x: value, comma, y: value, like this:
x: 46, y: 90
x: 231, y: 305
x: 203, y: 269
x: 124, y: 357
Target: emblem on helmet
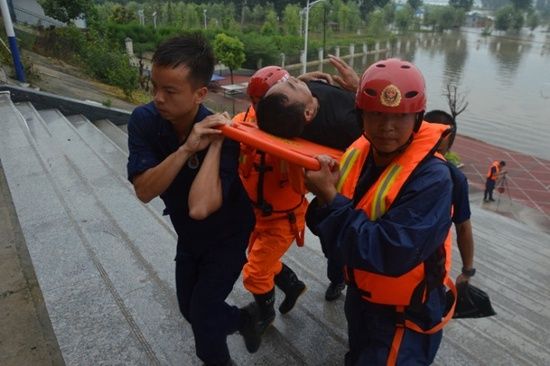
x: 390, y: 96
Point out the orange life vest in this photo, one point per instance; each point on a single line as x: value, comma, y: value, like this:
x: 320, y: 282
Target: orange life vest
x: 247, y: 116
x: 490, y: 175
x: 273, y: 185
x: 402, y: 290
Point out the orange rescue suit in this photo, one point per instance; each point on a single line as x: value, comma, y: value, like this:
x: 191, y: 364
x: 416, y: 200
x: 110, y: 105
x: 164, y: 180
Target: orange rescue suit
x: 277, y: 194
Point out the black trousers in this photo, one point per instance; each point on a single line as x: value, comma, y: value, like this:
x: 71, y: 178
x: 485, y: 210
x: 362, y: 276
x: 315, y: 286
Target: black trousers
x: 489, y: 188
x: 205, y: 275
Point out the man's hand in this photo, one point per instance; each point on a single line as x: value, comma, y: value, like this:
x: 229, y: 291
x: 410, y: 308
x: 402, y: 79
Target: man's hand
x: 462, y: 278
x: 348, y: 78
x: 204, y: 132
x: 317, y: 75
x: 322, y: 182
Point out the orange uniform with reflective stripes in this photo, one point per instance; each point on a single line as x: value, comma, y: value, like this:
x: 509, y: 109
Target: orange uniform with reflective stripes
x: 410, y: 287
x: 490, y: 175
x: 279, y: 205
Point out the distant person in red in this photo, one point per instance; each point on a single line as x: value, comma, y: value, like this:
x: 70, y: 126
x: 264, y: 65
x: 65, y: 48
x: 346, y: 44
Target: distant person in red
x: 495, y: 172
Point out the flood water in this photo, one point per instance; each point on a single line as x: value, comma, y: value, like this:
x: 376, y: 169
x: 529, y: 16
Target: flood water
x: 506, y: 82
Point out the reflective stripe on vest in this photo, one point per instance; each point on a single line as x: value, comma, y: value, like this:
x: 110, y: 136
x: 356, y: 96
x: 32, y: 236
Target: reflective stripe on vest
x: 379, y: 288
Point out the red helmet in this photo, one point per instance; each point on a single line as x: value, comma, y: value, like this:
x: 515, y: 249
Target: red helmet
x: 263, y: 79
x: 392, y: 86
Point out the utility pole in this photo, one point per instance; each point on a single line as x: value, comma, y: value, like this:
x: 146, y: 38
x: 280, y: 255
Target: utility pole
x: 308, y: 6
x: 18, y: 66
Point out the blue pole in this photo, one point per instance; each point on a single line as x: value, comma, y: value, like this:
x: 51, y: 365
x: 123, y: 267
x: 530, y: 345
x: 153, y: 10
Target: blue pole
x: 19, y: 70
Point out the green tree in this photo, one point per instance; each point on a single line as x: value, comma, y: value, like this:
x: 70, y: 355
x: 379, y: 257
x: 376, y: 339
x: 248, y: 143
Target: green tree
x: 533, y: 20
x: 403, y: 18
x: 66, y: 10
x: 229, y: 51
x: 414, y: 4
x: 258, y: 14
x: 291, y: 19
x: 446, y: 18
x: 376, y: 25
x: 121, y: 15
x: 517, y: 20
x: 522, y: 4
x: 389, y: 13
x: 368, y: 6
x: 504, y: 17
x: 271, y: 24
x: 462, y: 4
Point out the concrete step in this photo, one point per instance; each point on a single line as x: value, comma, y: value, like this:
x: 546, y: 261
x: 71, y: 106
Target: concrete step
x: 124, y: 128
x: 107, y: 150
x: 129, y: 252
x: 86, y: 228
x: 118, y: 136
x: 76, y: 295
x: 104, y: 147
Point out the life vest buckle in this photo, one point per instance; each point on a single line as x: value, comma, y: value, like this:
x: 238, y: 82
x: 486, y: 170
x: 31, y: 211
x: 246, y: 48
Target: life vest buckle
x: 400, y: 317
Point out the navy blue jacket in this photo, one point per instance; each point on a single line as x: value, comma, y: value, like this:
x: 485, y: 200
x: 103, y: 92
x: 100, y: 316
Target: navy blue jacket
x: 151, y: 139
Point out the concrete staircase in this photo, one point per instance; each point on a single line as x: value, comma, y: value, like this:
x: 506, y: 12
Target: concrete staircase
x: 104, y: 262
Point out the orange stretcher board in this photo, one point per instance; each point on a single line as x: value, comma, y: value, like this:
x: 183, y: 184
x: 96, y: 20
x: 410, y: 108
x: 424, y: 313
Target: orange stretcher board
x: 298, y: 151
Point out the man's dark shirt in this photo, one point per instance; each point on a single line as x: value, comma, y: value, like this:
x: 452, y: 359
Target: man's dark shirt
x: 151, y: 139
x: 461, y: 203
x: 337, y: 123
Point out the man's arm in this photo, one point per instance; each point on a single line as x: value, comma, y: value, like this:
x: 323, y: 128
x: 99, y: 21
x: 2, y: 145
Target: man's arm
x: 465, y: 241
x: 205, y: 196
x: 154, y: 181
x: 406, y: 235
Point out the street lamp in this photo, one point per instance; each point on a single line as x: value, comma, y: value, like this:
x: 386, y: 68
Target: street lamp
x: 204, y: 14
x: 306, y: 9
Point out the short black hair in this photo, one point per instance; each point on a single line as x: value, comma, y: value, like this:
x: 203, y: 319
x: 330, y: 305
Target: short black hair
x: 439, y: 116
x: 277, y: 116
x: 444, y: 118
x: 502, y: 162
x: 192, y: 51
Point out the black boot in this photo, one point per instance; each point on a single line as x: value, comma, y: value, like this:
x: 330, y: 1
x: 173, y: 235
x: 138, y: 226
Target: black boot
x: 249, y: 327
x: 289, y: 283
x: 265, y: 304
x: 334, y: 291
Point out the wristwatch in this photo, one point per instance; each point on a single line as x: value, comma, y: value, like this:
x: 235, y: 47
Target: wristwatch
x: 469, y: 272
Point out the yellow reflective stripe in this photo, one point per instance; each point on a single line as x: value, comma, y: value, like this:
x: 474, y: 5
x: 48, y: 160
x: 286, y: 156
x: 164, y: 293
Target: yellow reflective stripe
x: 379, y: 204
x: 348, y: 160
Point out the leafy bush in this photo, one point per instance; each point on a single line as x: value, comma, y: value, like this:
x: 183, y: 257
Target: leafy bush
x: 453, y: 158
x: 111, y: 66
x: 66, y: 43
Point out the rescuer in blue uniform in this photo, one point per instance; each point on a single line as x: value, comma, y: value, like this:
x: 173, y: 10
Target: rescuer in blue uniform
x: 386, y: 209
x: 461, y: 201
x: 177, y: 153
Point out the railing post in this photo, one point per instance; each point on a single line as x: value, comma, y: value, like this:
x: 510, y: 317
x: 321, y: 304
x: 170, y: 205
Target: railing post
x: 19, y: 70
